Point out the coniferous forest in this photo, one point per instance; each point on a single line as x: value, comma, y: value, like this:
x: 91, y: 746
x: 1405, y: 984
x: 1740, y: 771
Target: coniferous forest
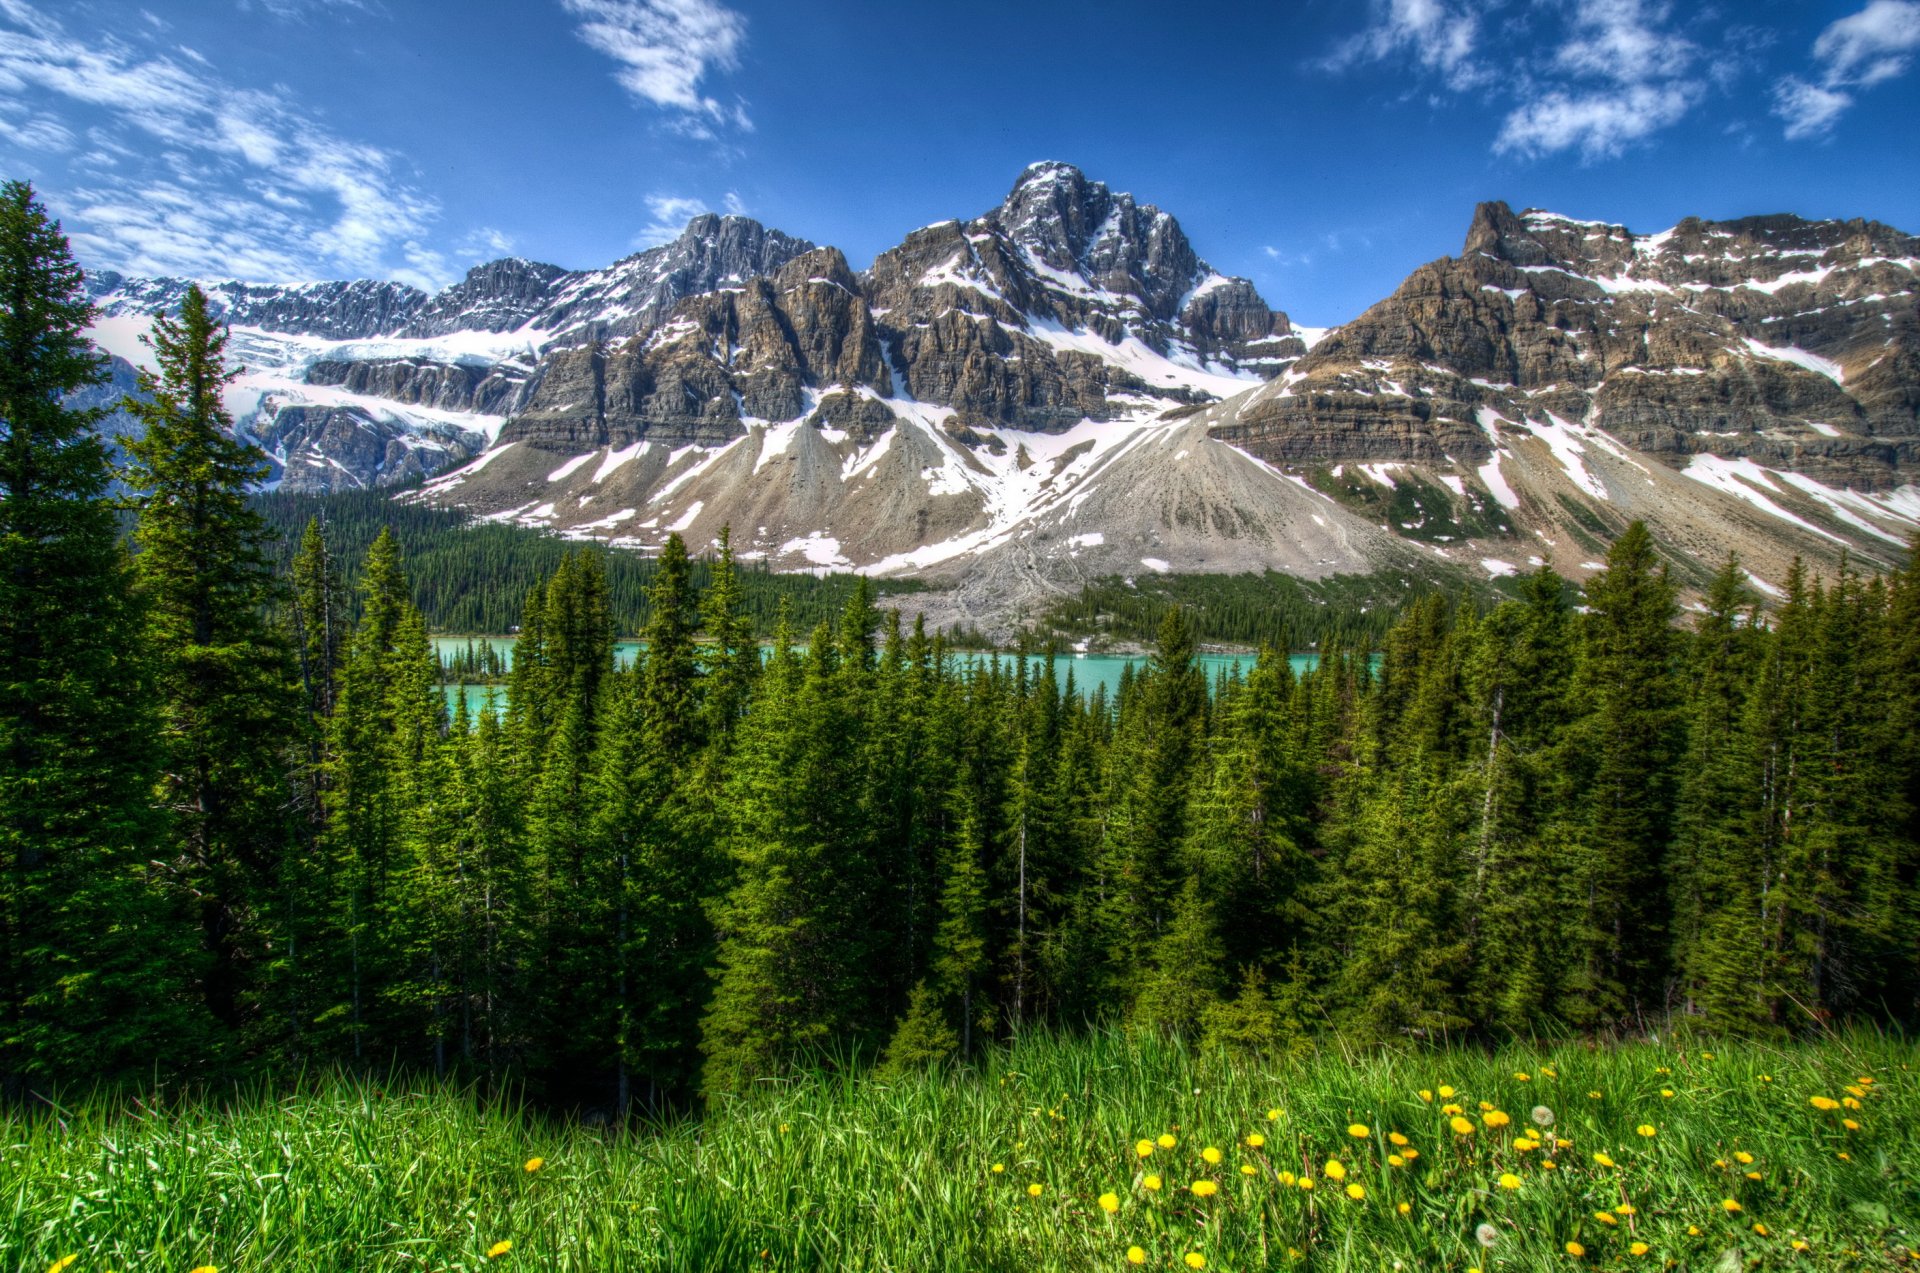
x: 242, y: 832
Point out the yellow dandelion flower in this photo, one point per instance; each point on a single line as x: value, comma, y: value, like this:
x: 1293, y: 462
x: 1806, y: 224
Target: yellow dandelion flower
x: 208, y: 1268
x: 1136, y: 1256
x: 1753, y: 1175
x: 1152, y: 1182
x: 1285, y: 1177
x: 1274, y: 1115
x: 1625, y: 1209
x: 1707, y: 1056
x: 1521, y: 1076
x: 1766, y: 1078
x: 60, y: 1265
x: 1576, y: 1250
x: 1865, y: 1080
x: 1645, y: 1129
x: 1485, y: 1106
x: 1404, y: 1208
x: 1306, y: 1182
x: 1395, y: 1160
x: 1144, y: 1148
x: 533, y: 1165
x: 1446, y: 1092
x: 1358, y: 1131
x: 494, y: 1252
x: 1549, y: 1072
x: 1850, y: 1103
x: 1212, y: 1156
x: 1166, y: 1141
x: 1452, y: 1109
x: 1357, y: 1191
x: 1461, y: 1127
x: 1496, y: 1118
x: 1035, y: 1189
x: 1426, y: 1095
x: 1549, y: 1164
x: 1335, y: 1169
x: 1731, y: 1207
x: 1720, y: 1163
x: 1854, y: 1089
x: 1693, y: 1230
x: 1248, y: 1169
x: 1397, y: 1139
x: 1563, y: 1142
x: 1602, y: 1160
x: 784, y: 1128
x: 1666, y: 1093
x: 1849, y: 1124
x: 1844, y: 1156
x: 1195, y: 1260
x: 1593, y: 1096
x: 1204, y: 1188
x: 1509, y: 1181
x: 1824, y: 1103
x: 1638, y: 1248
x: 1760, y: 1229
x: 1526, y: 1144
x: 1800, y: 1244
x: 999, y: 1169
x: 1412, y: 1154
x: 1605, y: 1217
x: 1255, y: 1140
x: 1109, y: 1202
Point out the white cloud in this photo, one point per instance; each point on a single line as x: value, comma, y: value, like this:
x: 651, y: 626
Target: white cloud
x: 671, y: 213
x: 1438, y: 34
x: 1591, y: 76
x: 665, y: 48
x: 1597, y: 124
x: 192, y: 175
x: 1874, y: 44
x: 1857, y: 51
x: 484, y: 243
x: 1808, y: 109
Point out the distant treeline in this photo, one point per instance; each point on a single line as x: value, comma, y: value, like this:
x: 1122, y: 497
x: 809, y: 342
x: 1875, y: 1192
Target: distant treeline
x: 471, y: 575
x: 1255, y: 610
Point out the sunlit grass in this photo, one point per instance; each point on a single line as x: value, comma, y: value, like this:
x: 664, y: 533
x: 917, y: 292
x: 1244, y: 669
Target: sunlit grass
x: 939, y: 1173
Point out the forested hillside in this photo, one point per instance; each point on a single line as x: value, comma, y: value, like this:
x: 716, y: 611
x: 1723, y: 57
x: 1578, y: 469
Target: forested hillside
x: 241, y: 831
x: 473, y: 576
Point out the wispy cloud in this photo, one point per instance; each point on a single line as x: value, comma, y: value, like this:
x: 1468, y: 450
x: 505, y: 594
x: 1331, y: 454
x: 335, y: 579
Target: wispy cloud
x: 665, y: 49
x: 1440, y: 35
x: 1856, y: 52
x: 186, y: 173
x: 1604, y: 75
x: 671, y: 212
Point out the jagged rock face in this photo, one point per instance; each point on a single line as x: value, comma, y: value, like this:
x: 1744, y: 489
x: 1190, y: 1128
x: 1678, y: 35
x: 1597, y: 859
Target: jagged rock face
x: 634, y: 294
x: 500, y: 296
x: 333, y: 311
x: 489, y: 389
x: 1790, y: 342
x: 322, y: 449
x: 752, y: 352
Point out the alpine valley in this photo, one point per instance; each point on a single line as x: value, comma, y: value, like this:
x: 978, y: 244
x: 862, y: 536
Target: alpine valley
x: 1061, y: 389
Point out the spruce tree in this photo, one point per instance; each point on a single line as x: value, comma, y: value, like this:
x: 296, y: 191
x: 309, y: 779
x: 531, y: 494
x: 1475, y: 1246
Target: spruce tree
x: 93, y: 968
x: 225, y: 683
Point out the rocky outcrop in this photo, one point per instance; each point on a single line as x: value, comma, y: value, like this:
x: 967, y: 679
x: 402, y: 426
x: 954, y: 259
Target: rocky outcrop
x: 349, y: 310
x: 482, y: 388
x: 321, y: 449
x: 1790, y: 342
x: 500, y: 296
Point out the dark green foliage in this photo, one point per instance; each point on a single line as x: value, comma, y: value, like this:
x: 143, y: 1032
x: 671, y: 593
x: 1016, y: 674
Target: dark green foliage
x: 474, y: 576
x: 94, y: 957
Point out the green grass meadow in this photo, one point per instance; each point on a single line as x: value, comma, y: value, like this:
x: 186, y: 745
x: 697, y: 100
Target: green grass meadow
x: 940, y: 1172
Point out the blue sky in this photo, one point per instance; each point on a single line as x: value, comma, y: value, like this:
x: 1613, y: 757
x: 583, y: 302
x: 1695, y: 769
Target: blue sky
x: 1322, y: 148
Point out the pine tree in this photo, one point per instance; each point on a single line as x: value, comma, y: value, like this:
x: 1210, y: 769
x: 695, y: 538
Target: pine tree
x: 1182, y: 988
x: 225, y: 683
x: 93, y: 971
x: 1626, y: 678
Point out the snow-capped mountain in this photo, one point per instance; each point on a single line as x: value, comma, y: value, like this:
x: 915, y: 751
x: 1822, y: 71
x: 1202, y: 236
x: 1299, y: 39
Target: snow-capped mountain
x: 1749, y: 385
x: 1060, y: 388
x: 363, y: 383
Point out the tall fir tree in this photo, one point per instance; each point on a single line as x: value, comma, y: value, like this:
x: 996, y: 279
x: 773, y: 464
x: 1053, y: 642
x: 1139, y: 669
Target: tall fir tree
x: 225, y: 677
x: 93, y: 968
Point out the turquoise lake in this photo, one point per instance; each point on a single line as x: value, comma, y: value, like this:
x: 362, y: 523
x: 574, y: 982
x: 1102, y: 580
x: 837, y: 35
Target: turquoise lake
x: 1088, y: 670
